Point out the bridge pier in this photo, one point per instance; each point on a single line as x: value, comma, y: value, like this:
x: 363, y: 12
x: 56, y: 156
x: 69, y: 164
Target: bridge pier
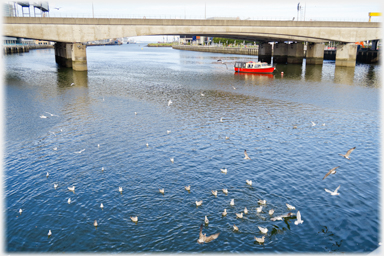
x: 315, y: 54
x: 295, y: 53
x: 265, y: 52
x: 280, y: 53
x: 71, y: 55
x: 346, y: 55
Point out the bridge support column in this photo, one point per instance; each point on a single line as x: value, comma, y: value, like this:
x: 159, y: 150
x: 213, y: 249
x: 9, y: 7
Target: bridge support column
x: 315, y: 54
x: 63, y: 54
x: 346, y: 55
x: 79, y: 57
x: 295, y: 53
x: 265, y: 52
x: 280, y: 53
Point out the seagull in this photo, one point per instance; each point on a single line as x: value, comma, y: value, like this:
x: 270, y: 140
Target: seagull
x: 43, y: 116
x: 239, y: 215
x: 235, y: 228
x: 263, y: 230
x: 161, y: 190
x: 51, y: 114
x: 102, y: 168
x: 323, y: 124
x: 224, y: 212
x: 225, y: 64
x: 47, y: 174
x: 69, y: 200
x: 49, y: 233
x: 71, y: 188
x: 20, y: 211
x: 202, y: 94
x: 313, y: 124
x: 169, y: 103
x: 101, y: 206
x: 298, y: 221
x: 290, y: 207
x: 120, y: 189
x: 135, y: 113
x: 95, y: 223
x: 214, y: 192
x: 198, y: 203
x: 225, y: 191
x: 103, y: 98
x: 232, y: 203
x: 55, y: 185
x: 224, y: 170
x: 172, y: 160
x: 334, y: 193
x: 226, y: 137
x: 147, y: 145
x: 55, y: 148
x: 271, y: 212
x: 52, y: 133
x: 348, y: 153
x: 79, y: 152
x: 280, y: 217
x: 168, y: 131
x: 188, y: 188
x: 234, y: 88
x: 98, y: 145
x: 206, y: 220
x: 135, y: 219
x: 294, y: 127
x: 332, y: 171
x: 246, y: 155
x: 221, y: 120
x: 204, y: 239
x: 260, y: 240
x: 258, y: 209
x: 262, y: 201
x: 249, y: 182
x: 72, y: 84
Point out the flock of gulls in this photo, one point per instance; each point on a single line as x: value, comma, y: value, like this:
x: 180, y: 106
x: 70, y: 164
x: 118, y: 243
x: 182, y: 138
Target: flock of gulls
x: 203, y: 238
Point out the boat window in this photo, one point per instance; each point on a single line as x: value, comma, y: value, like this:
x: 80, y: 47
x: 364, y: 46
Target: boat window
x: 257, y: 65
x: 249, y: 65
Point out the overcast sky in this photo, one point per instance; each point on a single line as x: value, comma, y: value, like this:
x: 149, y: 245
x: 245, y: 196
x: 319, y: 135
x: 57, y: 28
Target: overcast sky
x: 244, y: 9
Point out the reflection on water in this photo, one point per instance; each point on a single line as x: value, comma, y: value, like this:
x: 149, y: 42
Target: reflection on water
x: 99, y: 109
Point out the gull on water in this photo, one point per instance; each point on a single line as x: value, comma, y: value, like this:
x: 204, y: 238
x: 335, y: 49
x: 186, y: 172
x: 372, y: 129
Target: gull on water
x: 262, y: 201
x: 298, y: 216
x: 55, y: 148
x: 348, y: 153
x: 214, y: 192
x: 69, y: 200
x: 95, y: 223
x: 206, y: 221
x: 290, y: 207
x: 332, y: 171
x: 120, y: 189
x: 147, y: 145
x: 172, y: 159
x: 235, y: 228
x: 49, y: 233
x: 203, y: 237
x: 271, y: 212
x: 333, y: 193
x: 71, y: 188
x: 313, y: 124
x: 224, y: 212
x: 169, y: 103
x: 224, y: 170
x: 188, y: 188
x: 225, y: 191
x: 226, y: 137
x: 47, y: 174
x: 260, y: 240
x: 168, y: 131
x: 198, y: 203
x: 239, y: 215
x: 259, y: 209
x: 20, y: 211
x: 263, y: 230
x: 55, y: 185
x: 101, y: 206
x: 53, y: 133
x: 232, y: 203
x: 202, y: 94
x: 43, y: 116
x: 249, y: 182
x: 221, y: 120
x: 245, y: 210
x: 98, y: 145
x: 72, y: 84
x: 79, y: 152
x: 323, y: 124
x: 135, y: 219
x: 102, y: 168
x: 246, y: 155
x: 135, y: 113
x: 161, y: 190
x: 51, y: 114
x: 234, y: 88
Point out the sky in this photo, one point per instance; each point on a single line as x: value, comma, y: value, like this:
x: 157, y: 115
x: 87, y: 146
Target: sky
x: 244, y: 9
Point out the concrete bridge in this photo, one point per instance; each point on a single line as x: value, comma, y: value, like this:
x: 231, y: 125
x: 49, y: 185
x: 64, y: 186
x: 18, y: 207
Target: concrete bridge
x: 70, y: 33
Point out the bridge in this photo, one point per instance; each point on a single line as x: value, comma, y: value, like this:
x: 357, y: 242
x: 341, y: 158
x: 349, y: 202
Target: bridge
x: 71, y: 33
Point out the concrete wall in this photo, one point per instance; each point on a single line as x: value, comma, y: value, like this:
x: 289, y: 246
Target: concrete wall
x: 295, y: 53
x: 315, y: 54
x: 242, y: 51
x: 346, y: 55
x: 280, y: 53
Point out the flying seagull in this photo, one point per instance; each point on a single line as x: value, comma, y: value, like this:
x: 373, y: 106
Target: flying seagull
x: 246, y: 155
x: 204, y: 239
x: 43, y: 116
x: 79, y: 152
x: 333, y: 193
x: 280, y: 217
x: 348, y: 153
x: 332, y: 171
x: 313, y: 124
x: 298, y: 221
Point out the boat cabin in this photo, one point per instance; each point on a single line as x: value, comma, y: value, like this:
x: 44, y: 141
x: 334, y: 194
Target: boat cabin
x: 251, y: 64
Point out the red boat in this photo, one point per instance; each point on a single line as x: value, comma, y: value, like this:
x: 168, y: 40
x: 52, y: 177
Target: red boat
x: 253, y: 67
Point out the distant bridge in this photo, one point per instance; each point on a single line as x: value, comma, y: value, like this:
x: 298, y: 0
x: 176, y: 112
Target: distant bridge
x: 79, y: 30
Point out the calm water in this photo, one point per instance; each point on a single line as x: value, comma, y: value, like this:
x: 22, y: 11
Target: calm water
x: 287, y: 164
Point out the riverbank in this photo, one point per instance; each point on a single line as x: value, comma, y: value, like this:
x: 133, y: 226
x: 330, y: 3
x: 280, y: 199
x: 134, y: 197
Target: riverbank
x: 160, y: 45
x: 10, y: 49
x: 215, y: 49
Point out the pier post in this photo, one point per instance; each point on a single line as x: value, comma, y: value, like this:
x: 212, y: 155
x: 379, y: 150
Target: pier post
x: 315, y: 54
x: 346, y: 55
x: 295, y: 53
x: 63, y: 54
x: 79, y: 57
x: 265, y: 52
x: 280, y: 53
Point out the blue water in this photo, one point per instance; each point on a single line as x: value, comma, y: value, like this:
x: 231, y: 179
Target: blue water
x: 287, y: 164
